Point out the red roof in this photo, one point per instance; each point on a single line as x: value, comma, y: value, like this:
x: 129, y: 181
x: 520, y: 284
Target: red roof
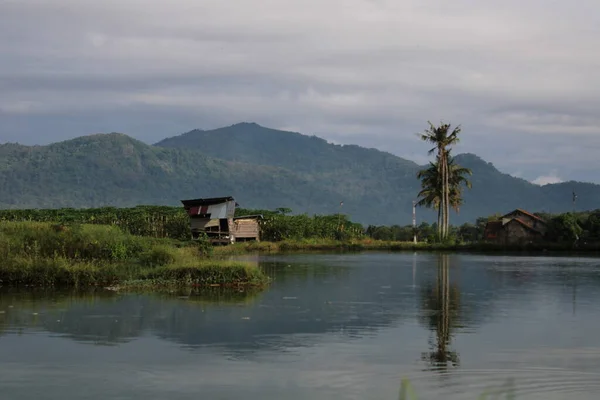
x: 526, y: 213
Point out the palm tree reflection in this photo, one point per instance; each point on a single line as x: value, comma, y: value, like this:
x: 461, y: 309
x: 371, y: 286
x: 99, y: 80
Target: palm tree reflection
x: 440, y: 304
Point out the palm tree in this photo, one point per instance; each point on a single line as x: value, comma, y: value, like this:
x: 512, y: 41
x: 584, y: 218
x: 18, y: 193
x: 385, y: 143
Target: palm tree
x: 457, y: 180
x: 442, y: 311
x: 430, y: 195
x: 442, y: 139
x: 432, y: 192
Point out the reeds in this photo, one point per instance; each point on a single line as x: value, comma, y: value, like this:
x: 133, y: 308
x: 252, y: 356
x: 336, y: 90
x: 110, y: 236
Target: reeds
x: 42, y: 254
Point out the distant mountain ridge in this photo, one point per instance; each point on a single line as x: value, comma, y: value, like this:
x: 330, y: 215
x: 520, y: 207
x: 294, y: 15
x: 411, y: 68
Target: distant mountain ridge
x: 261, y: 168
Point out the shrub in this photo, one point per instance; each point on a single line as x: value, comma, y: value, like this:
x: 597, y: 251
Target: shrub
x: 158, y: 256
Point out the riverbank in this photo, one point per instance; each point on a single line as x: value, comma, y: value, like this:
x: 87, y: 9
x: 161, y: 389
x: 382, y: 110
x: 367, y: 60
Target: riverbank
x: 324, y: 245
x: 45, y: 255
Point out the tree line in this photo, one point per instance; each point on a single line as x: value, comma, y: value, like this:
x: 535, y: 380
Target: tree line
x: 567, y: 228
x: 173, y: 222
x: 280, y: 224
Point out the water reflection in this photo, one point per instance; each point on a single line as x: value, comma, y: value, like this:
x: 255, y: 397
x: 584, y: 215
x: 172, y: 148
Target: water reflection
x: 102, y: 317
x: 350, y: 296
x: 331, y: 326
x: 441, y: 308
x: 309, y: 299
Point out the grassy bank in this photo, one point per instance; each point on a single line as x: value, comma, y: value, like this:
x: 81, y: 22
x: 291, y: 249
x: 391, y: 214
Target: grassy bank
x: 377, y: 245
x: 43, y: 254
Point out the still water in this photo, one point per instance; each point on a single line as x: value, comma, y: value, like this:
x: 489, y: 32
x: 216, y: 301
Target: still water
x: 346, y: 326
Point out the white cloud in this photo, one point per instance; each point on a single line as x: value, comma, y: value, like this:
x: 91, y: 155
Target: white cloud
x: 550, y: 178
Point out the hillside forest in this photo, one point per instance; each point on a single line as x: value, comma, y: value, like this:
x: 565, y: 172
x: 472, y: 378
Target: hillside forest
x: 266, y: 168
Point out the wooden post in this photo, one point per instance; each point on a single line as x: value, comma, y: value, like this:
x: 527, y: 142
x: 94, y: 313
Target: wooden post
x: 414, y: 221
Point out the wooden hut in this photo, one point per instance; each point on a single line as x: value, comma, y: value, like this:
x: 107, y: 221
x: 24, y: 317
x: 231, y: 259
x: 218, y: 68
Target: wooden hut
x: 213, y: 216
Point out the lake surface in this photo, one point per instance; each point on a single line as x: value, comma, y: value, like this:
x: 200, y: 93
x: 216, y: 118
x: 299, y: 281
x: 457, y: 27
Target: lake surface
x: 346, y: 326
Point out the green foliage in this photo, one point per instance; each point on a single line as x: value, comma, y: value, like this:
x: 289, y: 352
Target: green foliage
x: 55, y: 271
x: 564, y: 228
x: 204, y: 245
x: 591, y: 226
x: 173, y: 222
x: 81, y: 242
x: 149, y: 221
x: 158, y: 256
x: 278, y: 227
x: 260, y: 167
x: 44, y: 254
x: 569, y: 228
x: 207, y: 274
x: 425, y: 232
x: 470, y: 232
x: 442, y: 181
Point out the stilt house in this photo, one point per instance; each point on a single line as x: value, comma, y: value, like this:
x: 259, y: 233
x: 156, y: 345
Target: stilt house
x: 215, y: 217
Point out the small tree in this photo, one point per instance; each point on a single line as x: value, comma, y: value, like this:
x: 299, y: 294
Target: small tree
x: 564, y: 228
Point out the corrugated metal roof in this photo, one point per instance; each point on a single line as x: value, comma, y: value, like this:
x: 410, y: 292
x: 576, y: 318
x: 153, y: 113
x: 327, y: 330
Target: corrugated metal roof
x: 526, y: 213
x: 206, y: 202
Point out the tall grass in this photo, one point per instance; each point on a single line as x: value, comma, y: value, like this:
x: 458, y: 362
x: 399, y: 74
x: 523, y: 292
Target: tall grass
x: 43, y: 254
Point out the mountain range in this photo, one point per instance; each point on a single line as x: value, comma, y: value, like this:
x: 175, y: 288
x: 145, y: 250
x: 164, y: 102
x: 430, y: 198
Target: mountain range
x: 262, y: 168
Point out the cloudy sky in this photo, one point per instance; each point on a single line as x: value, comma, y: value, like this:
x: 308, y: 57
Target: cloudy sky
x: 521, y: 77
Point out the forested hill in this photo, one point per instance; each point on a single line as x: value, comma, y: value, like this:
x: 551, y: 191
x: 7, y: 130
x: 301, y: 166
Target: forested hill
x: 356, y: 170
x: 261, y: 168
x: 254, y: 144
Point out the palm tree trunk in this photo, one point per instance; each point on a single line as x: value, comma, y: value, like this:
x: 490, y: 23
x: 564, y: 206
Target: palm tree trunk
x: 439, y: 224
x: 447, y: 198
x: 444, y: 165
x: 443, y: 184
x: 442, y: 199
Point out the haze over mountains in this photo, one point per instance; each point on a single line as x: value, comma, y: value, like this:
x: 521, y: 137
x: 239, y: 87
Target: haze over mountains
x: 261, y: 168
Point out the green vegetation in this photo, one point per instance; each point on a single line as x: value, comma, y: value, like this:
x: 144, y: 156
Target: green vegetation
x: 44, y: 254
x: 278, y: 226
x: 261, y: 168
x: 173, y: 222
x: 149, y: 221
x: 442, y: 182
x: 284, y: 232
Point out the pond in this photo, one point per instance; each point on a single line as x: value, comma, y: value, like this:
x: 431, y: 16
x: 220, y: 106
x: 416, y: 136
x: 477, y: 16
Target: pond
x: 340, y: 326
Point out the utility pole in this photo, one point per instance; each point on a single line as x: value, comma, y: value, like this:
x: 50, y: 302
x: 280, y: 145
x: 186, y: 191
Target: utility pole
x: 414, y: 204
x: 340, y: 216
x: 574, y: 199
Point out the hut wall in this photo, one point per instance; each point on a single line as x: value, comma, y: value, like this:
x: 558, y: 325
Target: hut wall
x: 246, y: 229
x: 528, y: 219
x: 203, y: 223
x: 516, y: 233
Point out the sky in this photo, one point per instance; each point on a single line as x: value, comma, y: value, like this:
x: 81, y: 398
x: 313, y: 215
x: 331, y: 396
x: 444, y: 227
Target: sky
x: 520, y: 77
